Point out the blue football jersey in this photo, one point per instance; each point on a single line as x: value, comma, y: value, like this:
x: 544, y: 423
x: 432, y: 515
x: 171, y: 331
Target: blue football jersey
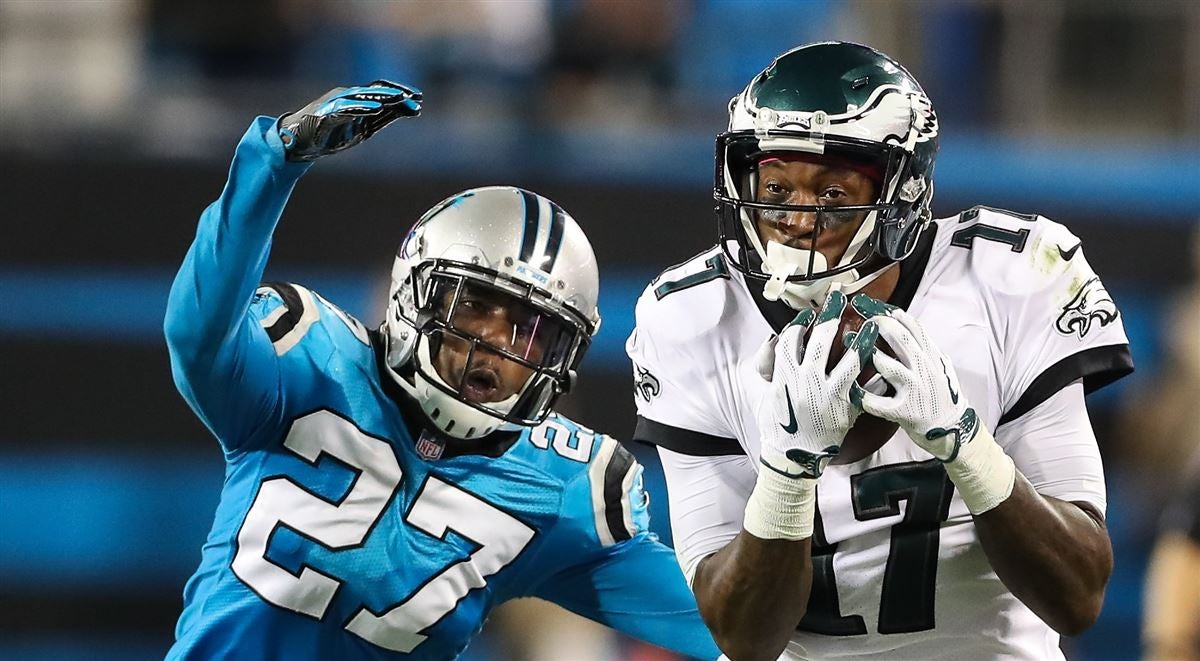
x: 334, y: 537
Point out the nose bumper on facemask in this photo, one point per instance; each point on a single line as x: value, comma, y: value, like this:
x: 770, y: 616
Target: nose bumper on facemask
x: 783, y: 262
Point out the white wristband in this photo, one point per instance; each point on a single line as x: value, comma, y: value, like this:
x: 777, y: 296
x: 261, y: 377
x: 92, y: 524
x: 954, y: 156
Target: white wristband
x: 781, y: 507
x: 983, y: 473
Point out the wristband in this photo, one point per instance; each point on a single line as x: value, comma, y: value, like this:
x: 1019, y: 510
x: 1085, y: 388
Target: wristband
x: 982, y: 472
x: 781, y: 507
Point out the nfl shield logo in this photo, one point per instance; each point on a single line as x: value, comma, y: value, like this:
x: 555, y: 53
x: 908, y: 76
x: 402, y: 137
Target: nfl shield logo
x: 429, y: 448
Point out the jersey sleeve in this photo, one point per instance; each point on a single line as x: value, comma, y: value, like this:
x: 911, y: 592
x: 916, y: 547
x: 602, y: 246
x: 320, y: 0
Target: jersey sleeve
x: 707, y: 501
x: 620, y: 504
x: 1054, y: 447
x: 1055, y: 321
x: 637, y: 589
x: 673, y: 370
x: 611, y: 569
x: 223, y: 355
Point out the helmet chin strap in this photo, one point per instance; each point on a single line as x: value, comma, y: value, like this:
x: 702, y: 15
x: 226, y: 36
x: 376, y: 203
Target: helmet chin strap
x: 503, y: 406
x: 782, y: 262
x: 455, y: 417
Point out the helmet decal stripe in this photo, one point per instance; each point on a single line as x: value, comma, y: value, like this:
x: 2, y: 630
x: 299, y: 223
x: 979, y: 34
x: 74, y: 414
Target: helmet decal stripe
x: 555, y: 241
x: 529, y: 234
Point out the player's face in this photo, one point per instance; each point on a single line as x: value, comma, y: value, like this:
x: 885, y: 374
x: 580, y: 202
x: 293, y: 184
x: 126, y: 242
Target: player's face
x: 811, y: 183
x: 499, y: 321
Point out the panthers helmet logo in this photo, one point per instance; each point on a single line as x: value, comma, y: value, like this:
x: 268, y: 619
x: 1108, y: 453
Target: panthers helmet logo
x: 1091, y: 303
x: 646, y: 384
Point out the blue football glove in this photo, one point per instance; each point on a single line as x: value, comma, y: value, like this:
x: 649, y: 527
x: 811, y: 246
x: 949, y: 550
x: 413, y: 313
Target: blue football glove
x: 344, y: 117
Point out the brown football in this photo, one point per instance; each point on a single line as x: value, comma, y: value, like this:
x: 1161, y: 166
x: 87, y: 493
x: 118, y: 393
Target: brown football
x: 869, y: 433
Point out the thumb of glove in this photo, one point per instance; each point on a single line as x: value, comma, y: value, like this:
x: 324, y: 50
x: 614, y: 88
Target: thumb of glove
x: 764, y: 359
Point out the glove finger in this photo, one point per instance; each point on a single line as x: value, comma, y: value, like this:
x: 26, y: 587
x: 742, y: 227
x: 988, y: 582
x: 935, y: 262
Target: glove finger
x: 927, y: 346
x: 858, y: 354
x: 914, y: 327
x: 892, y: 370
x: 790, y: 345
x: 375, y: 92
x: 791, y: 341
x: 408, y: 108
x: 899, y: 339
x: 395, y: 100
x: 408, y: 90
x: 372, y: 101
x: 764, y: 359
x: 876, y: 405
x: 825, y: 330
x: 868, y: 307
x: 804, y: 319
x: 348, y: 107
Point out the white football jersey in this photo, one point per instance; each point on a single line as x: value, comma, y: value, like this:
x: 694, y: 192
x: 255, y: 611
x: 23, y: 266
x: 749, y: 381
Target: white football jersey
x: 898, y: 570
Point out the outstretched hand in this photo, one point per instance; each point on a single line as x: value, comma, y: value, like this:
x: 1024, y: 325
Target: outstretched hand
x: 344, y: 117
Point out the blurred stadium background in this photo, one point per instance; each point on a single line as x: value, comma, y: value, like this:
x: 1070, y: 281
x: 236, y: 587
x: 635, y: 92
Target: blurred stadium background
x: 118, y: 118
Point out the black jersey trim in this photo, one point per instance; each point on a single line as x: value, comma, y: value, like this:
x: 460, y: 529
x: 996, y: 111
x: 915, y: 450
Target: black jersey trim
x: 292, y: 303
x: 777, y: 313
x: 1098, y: 367
x: 912, y: 269
x: 685, y: 441
x: 619, y: 465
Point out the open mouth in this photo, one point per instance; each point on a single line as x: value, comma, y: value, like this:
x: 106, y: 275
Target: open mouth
x: 481, y: 384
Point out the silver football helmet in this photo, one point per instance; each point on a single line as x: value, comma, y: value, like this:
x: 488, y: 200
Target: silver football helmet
x: 489, y: 284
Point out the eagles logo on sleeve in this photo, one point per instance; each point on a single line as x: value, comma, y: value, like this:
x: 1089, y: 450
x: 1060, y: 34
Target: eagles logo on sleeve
x: 645, y: 384
x: 1091, y: 303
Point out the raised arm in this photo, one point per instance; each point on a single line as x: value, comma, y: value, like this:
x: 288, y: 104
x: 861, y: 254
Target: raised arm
x: 222, y: 359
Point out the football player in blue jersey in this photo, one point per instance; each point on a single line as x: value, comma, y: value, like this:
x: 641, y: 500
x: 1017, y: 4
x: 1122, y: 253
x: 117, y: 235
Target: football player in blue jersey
x: 384, y: 490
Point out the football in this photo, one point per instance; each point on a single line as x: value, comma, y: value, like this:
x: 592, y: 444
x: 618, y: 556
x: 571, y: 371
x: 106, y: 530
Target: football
x: 869, y: 433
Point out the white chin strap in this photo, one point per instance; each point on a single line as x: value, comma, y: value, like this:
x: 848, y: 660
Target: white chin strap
x: 782, y: 262
x: 450, y: 415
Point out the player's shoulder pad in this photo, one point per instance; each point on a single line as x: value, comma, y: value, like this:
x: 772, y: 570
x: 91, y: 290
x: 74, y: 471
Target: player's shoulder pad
x: 620, y: 504
x: 686, y: 300
x: 287, y: 312
x: 1017, y: 255
x: 617, y: 504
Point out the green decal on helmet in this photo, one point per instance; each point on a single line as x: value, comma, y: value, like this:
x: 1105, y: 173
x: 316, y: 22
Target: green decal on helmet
x: 848, y: 103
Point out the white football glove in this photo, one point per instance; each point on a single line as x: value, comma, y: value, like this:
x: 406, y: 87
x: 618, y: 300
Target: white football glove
x: 928, y: 402
x: 803, y: 418
x: 805, y: 414
x: 929, y: 405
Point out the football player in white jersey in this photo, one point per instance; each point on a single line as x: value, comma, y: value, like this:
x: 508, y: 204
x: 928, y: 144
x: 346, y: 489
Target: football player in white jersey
x: 977, y: 529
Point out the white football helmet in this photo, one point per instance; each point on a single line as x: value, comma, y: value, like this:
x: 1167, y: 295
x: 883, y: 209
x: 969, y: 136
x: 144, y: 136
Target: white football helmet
x: 524, y: 256
x: 837, y: 102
